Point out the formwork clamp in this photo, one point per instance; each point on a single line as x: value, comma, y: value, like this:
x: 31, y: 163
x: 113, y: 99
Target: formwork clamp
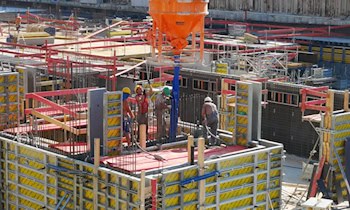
x: 199, y: 178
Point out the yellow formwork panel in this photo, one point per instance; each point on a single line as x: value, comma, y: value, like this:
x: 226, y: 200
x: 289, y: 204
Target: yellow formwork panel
x: 174, y: 201
x: 342, y: 127
x: 113, y: 144
x: 173, y: 177
x: 112, y: 97
x: 210, y: 199
x: 101, y: 199
x: 88, y: 193
x: 31, y: 183
x: 11, y: 187
x: 236, y: 162
x: 261, y: 197
x: 193, y: 196
x: 12, y: 78
x: 29, y: 204
x: 173, y: 189
x: 190, y: 207
x: 115, y: 121
x: 30, y: 173
x: 262, y: 156
x: 30, y: 163
x: 238, y: 204
x: 88, y: 205
x: 12, y: 88
x: 341, y: 135
x: 342, y: 118
x: 275, y: 173
x: 112, y: 110
x: 12, y: 207
x: 261, y: 187
x: 88, y: 169
x: 31, y: 153
x: 113, y: 133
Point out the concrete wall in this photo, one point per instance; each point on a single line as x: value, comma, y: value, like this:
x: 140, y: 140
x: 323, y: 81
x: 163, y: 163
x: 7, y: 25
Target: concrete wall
x: 139, y: 3
x: 324, y: 8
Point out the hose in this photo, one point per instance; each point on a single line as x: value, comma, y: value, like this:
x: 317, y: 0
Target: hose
x: 214, y: 136
x: 156, y: 157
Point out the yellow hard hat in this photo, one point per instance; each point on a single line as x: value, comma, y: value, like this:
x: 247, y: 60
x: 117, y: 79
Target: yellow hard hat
x: 137, y: 87
x: 126, y: 90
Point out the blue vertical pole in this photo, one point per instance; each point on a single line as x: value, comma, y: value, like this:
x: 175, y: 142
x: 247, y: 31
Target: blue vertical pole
x: 174, y: 112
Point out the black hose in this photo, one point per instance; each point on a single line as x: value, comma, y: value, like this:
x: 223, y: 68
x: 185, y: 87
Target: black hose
x: 212, y: 135
x: 156, y: 157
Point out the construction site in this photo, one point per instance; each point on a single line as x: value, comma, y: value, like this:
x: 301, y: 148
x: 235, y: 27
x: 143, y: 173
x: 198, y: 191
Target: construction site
x: 174, y: 104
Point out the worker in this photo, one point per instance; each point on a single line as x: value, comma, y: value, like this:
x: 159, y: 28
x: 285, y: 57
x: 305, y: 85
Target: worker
x: 210, y: 120
x: 18, y: 22
x: 142, y: 107
x: 128, y: 115
x: 160, y: 107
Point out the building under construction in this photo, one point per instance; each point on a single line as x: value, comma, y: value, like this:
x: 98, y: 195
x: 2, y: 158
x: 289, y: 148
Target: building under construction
x: 66, y: 87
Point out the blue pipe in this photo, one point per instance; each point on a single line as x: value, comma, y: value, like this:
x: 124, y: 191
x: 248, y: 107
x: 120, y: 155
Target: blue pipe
x: 174, y: 112
x: 199, y: 178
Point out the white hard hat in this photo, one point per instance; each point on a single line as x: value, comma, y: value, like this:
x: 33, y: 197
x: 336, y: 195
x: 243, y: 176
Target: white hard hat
x: 208, y: 99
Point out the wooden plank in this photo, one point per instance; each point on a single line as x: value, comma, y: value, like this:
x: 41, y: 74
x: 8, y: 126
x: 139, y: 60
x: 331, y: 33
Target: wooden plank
x: 56, y: 122
x: 201, y: 148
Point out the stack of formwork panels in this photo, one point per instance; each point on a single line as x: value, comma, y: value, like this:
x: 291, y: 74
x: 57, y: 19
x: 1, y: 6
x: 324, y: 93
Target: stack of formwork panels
x: 9, y: 100
x: 247, y: 112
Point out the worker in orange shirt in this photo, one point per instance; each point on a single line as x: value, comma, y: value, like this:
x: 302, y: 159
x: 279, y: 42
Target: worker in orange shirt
x: 18, y: 22
x: 142, y: 105
x: 128, y: 115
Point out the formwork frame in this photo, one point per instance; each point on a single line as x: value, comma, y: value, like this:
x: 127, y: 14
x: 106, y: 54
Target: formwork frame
x: 255, y: 174
x: 37, y: 178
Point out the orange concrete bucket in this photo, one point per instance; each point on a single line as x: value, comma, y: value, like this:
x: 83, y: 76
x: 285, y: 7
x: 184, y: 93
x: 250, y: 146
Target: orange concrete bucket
x: 178, y: 18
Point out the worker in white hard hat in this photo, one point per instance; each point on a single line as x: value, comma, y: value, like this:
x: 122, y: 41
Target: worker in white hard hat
x: 210, y: 119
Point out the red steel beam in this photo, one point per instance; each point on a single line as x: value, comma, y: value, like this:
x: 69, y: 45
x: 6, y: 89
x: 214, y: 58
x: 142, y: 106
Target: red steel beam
x: 306, y: 90
x: 316, y: 102
x: 228, y: 92
x: 52, y: 104
x: 60, y: 92
x: 316, y: 108
x: 40, y: 55
x: 164, y: 68
x: 50, y: 109
x: 230, y: 81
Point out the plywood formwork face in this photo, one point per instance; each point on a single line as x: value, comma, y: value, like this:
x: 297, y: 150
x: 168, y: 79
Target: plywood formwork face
x: 242, y: 181
x: 36, y: 179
